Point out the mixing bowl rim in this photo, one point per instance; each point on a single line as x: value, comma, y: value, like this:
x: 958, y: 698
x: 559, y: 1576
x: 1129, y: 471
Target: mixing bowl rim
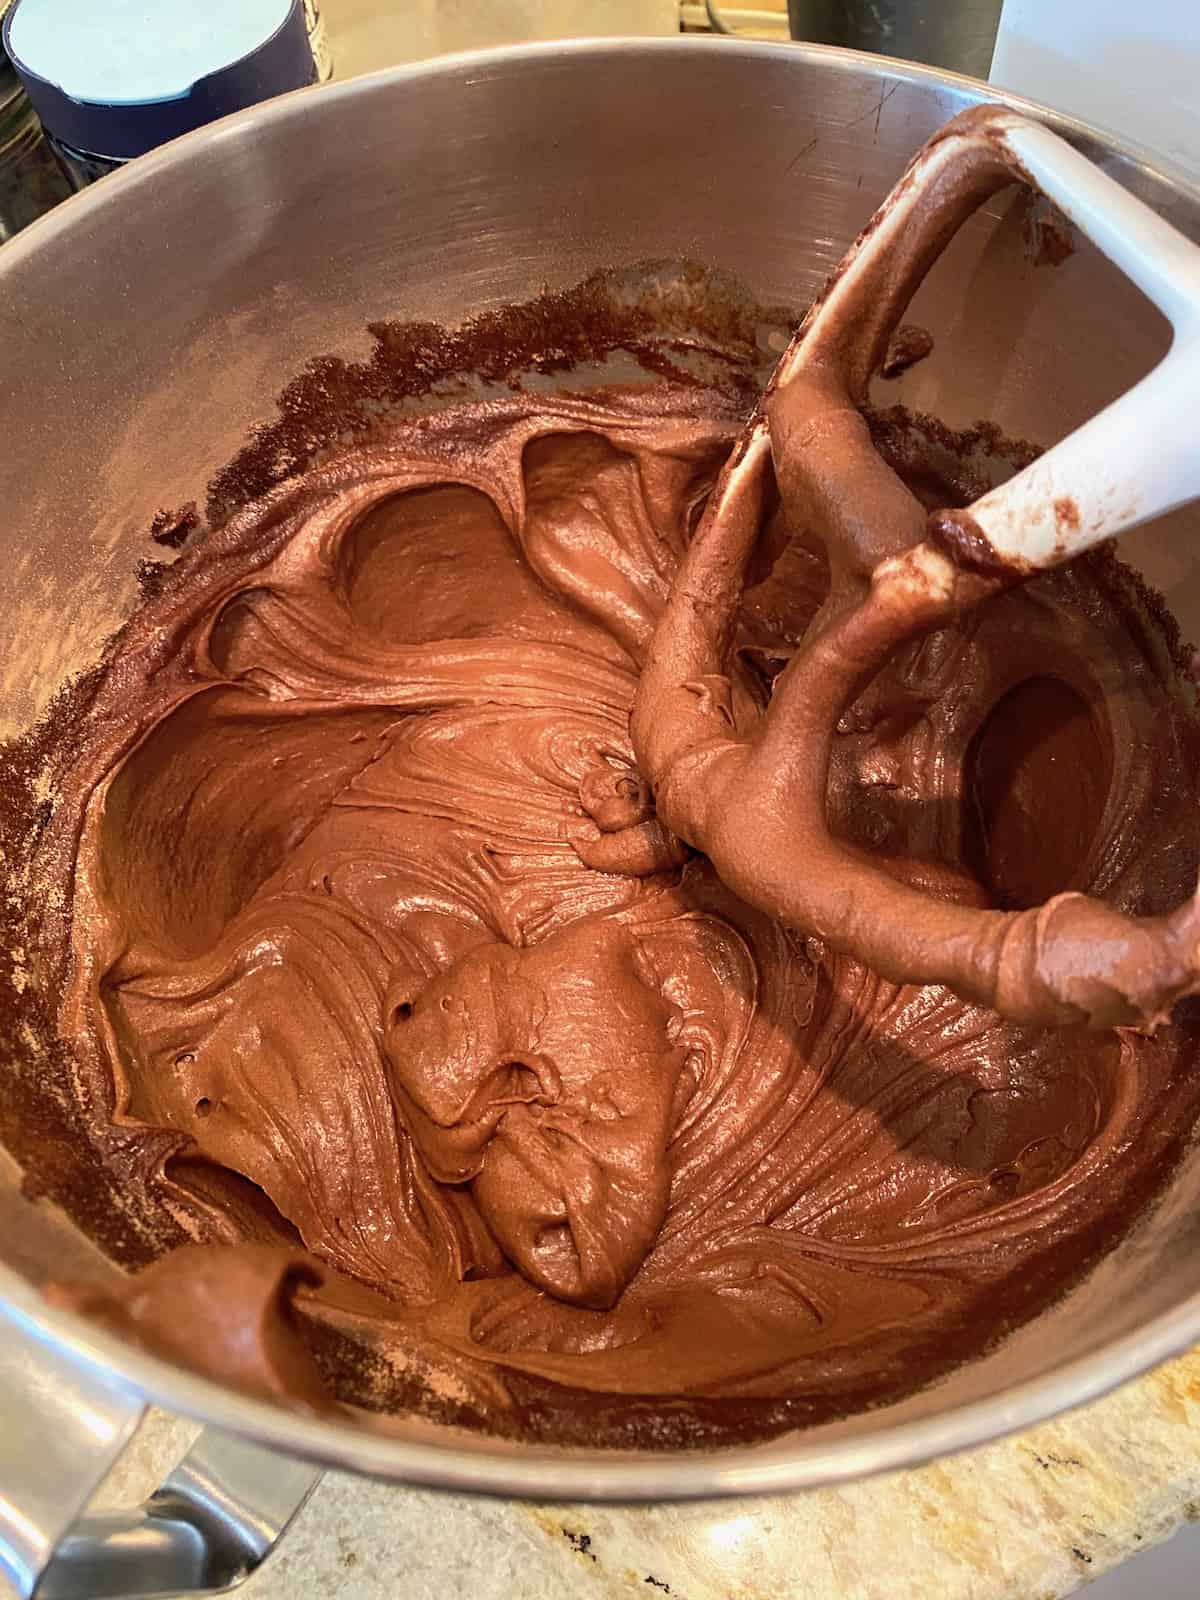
x: 282, y: 107
x: 492, y: 1465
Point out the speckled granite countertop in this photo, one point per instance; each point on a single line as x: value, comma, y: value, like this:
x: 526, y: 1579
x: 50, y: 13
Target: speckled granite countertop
x: 1030, y: 1518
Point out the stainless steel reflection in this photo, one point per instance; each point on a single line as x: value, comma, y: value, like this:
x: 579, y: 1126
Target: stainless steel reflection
x: 148, y: 323
x: 204, y: 1531
x: 62, y: 1425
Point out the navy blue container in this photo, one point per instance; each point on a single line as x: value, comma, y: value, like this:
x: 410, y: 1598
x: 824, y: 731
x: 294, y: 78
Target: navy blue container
x: 96, y: 126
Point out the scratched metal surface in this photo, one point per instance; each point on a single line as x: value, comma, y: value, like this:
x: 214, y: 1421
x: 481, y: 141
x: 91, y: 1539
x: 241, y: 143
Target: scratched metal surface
x: 149, y: 324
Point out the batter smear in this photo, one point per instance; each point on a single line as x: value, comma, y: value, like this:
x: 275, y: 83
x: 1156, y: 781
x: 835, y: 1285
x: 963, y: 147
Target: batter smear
x: 379, y: 967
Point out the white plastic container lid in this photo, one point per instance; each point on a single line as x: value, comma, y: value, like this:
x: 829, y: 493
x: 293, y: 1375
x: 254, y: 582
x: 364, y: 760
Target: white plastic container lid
x: 118, y: 77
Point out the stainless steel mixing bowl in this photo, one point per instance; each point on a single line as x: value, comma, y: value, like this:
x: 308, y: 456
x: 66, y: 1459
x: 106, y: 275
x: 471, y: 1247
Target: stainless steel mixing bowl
x: 147, y: 324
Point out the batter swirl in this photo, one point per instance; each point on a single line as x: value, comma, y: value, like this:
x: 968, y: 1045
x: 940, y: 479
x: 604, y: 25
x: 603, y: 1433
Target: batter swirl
x: 357, y: 986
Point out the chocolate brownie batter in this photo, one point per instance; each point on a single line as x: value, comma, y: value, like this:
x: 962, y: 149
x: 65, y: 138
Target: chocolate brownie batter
x: 384, y: 978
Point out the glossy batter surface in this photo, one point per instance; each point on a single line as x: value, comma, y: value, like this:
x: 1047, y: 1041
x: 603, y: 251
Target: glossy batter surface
x: 579, y: 1151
